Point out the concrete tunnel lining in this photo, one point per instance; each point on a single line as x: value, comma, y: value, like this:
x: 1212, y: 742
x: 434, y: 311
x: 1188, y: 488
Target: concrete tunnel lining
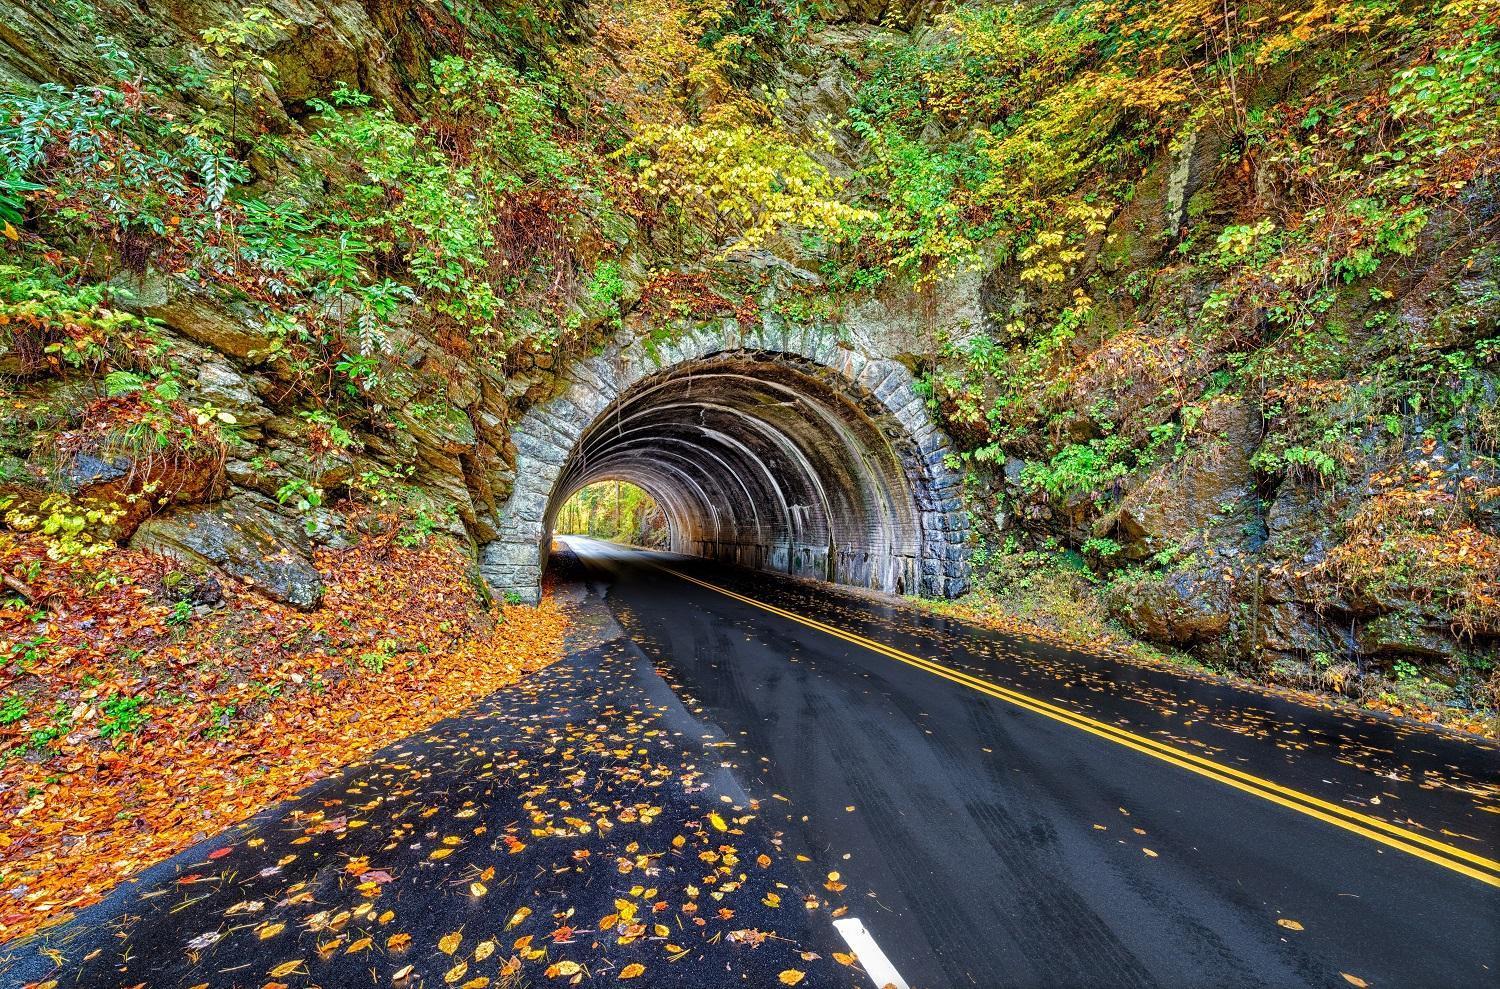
x: 765, y: 459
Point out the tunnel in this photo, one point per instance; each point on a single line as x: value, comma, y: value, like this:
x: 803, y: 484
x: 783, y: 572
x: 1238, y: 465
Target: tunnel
x: 763, y: 459
x: 761, y: 465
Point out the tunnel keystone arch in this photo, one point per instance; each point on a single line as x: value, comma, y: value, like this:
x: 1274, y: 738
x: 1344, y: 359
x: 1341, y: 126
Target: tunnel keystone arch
x: 782, y: 450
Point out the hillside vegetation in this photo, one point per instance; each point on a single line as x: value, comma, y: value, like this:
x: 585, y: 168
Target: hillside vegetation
x: 277, y: 278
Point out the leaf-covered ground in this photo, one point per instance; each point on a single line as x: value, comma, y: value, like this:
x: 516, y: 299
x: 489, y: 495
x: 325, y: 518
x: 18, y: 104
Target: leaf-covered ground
x: 136, y: 724
x: 576, y: 828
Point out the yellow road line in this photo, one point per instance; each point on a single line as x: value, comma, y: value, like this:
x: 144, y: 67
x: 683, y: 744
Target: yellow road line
x: 1423, y: 847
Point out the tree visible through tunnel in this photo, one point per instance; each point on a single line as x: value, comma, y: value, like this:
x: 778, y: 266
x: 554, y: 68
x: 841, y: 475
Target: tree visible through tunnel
x: 615, y: 510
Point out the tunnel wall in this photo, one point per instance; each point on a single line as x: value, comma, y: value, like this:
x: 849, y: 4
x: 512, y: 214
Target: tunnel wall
x: 873, y: 505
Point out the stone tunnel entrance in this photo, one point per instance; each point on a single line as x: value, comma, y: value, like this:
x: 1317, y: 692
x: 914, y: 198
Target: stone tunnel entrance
x: 805, y: 459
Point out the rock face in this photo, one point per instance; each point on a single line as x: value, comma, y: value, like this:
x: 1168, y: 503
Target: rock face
x: 1186, y: 607
x: 1182, y: 501
x: 245, y: 537
x: 1237, y: 525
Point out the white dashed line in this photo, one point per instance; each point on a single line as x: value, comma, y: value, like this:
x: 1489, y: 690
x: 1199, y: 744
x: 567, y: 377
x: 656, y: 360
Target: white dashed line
x: 875, y: 963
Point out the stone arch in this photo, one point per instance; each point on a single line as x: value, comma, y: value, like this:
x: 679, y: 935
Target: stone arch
x: 780, y: 449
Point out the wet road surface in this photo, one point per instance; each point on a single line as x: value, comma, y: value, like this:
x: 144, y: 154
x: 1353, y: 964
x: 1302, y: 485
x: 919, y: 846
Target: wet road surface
x: 999, y: 847
x: 572, y: 829
x: 730, y: 768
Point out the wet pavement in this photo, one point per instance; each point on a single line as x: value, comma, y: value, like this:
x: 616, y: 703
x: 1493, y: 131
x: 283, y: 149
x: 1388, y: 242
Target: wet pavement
x: 573, y: 829
x: 997, y: 847
x: 703, y: 788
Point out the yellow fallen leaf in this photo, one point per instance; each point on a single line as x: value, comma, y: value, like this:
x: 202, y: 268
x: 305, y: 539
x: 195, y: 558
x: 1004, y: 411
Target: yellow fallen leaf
x: 1355, y: 981
x: 440, y: 853
x: 791, y: 977
x: 448, y: 944
x: 484, y: 950
x: 456, y: 972
x: 521, y: 914
x: 357, y: 946
x: 271, y: 930
x: 398, y: 942
x: 717, y: 822
x: 558, y: 970
x: 478, y: 889
x: 402, y: 973
x: 285, y: 969
x: 632, y: 971
x: 843, y: 959
x: 1289, y: 924
x: 1149, y: 852
x: 10, y: 232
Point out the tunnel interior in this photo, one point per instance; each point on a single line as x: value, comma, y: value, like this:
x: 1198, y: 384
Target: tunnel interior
x: 765, y: 464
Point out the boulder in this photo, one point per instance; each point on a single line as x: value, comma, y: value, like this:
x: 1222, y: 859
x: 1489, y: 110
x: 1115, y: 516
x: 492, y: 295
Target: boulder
x: 1184, y: 607
x: 245, y: 537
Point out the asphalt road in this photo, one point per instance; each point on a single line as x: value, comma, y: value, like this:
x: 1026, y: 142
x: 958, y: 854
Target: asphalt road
x: 739, y: 780
x: 575, y: 828
x: 997, y: 842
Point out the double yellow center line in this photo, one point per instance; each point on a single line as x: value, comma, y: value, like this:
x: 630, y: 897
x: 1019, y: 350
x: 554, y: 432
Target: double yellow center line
x: 1440, y: 853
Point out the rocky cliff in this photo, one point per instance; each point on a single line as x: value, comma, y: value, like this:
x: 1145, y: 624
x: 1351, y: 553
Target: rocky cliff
x: 1206, y: 294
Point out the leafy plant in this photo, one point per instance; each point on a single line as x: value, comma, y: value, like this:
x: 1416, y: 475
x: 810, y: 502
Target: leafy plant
x: 121, y: 716
x: 13, y: 709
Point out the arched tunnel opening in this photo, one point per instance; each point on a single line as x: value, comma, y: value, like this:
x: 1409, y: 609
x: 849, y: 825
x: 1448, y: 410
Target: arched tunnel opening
x: 770, y: 463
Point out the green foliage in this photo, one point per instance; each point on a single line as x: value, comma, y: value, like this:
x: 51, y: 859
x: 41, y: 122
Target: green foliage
x: 377, y: 659
x: 613, y: 510
x: 39, y: 740
x: 244, y: 73
x: 742, y: 183
x: 126, y: 166
x: 74, y: 528
x: 301, y: 494
x: 121, y: 716
x: 220, y: 720
x: 1077, y: 468
x: 181, y: 613
x: 420, y: 527
x: 13, y: 709
x: 49, y: 321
